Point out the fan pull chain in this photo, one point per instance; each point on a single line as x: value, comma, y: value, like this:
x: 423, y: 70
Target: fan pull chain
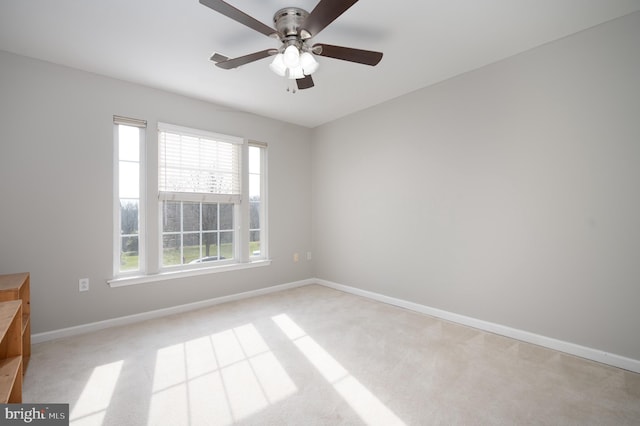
x: 291, y: 86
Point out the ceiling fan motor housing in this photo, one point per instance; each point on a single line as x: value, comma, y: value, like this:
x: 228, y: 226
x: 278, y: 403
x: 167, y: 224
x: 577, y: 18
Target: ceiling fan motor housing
x: 288, y: 21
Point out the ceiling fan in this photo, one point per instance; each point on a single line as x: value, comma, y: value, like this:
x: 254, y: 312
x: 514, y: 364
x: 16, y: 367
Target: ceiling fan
x: 294, y: 27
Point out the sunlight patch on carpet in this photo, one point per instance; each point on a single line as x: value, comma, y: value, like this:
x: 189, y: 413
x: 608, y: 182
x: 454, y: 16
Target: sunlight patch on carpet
x: 226, y: 376
x: 96, y: 395
x: 368, y: 407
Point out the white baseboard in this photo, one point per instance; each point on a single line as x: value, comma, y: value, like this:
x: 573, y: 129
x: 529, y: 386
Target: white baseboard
x: 130, y: 319
x: 525, y: 336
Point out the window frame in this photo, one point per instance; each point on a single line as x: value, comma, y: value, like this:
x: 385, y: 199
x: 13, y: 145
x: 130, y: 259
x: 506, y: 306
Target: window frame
x: 234, y: 231
x: 180, y: 143
x: 151, y: 267
x: 264, y: 248
x: 117, y: 218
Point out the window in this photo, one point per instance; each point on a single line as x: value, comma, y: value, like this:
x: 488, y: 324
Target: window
x: 129, y: 146
x: 257, y: 162
x: 210, y: 212
x: 195, y: 233
x: 200, y: 190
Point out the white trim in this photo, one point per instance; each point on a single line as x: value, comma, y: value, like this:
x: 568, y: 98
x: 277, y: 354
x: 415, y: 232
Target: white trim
x: 172, y: 275
x: 115, y: 237
x: 242, y: 210
x: 131, y: 319
x: 525, y: 336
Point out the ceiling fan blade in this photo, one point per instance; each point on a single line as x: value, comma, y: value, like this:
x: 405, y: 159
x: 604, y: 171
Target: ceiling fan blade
x: 239, y: 16
x: 325, y: 12
x: 216, y: 57
x: 305, y: 83
x: 242, y: 60
x: 360, y: 56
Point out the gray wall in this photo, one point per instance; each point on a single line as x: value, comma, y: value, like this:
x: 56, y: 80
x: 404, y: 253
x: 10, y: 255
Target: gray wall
x: 56, y: 168
x: 509, y: 194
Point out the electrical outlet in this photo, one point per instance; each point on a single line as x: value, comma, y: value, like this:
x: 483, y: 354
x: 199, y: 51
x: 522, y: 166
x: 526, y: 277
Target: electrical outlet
x: 308, y: 255
x: 296, y: 257
x: 83, y: 284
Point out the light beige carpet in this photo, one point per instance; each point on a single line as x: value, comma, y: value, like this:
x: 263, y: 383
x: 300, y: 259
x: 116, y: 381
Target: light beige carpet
x: 316, y: 356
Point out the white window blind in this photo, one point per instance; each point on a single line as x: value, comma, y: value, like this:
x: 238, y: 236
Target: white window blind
x: 198, y: 165
x: 127, y: 121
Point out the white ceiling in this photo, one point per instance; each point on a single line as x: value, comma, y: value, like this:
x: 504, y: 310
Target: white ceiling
x: 167, y: 43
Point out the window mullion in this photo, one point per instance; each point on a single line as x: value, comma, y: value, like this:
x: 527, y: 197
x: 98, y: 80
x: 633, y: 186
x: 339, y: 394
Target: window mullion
x: 201, y: 233
x: 181, y: 232
x: 242, y: 228
x: 218, y: 227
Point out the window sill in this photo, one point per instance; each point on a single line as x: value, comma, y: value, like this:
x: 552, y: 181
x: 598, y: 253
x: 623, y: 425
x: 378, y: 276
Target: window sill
x: 171, y: 275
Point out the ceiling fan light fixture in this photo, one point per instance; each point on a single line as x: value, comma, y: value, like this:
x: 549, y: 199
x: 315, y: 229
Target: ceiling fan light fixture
x: 294, y: 27
x: 308, y: 63
x: 278, y: 66
x: 291, y: 56
x: 296, y: 73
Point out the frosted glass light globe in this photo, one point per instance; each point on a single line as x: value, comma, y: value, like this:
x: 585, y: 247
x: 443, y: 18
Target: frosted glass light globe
x: 296, y: 73
x: 278, y: 66
x: 291, y: 57
x: 308, y: 63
